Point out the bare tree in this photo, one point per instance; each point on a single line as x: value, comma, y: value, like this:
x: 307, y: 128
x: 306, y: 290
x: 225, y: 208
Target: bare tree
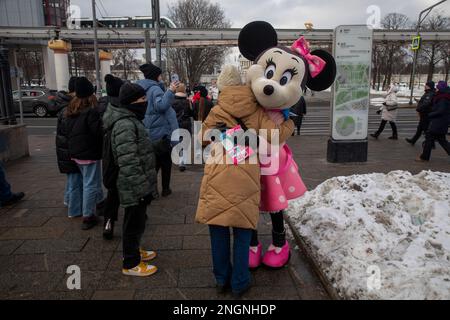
x: 196, y: 14
x: 391, y: 54
x: 30, y: 62
x: 432, y: 53
x: 124, y: 61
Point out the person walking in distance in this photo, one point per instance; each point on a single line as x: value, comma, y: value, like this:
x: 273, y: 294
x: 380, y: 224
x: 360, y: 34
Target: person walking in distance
x: 439, y: 122
x: 424, y: 107
x: 388, y: 113
x: 160, y: 120
x: 84, y: 128
x: 132, y: 168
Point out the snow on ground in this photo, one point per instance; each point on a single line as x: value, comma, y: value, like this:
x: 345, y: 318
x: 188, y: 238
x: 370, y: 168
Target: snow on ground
x: 393, y: 227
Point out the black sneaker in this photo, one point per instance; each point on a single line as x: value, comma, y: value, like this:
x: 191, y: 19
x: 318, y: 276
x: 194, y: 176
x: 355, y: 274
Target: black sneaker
x: 166, y: 192
x: 15, y: 197
x: 410, y: 141
x: 108, y: 229
x: 182, y: 168
x: 374, y: 135
x: 89, y: 223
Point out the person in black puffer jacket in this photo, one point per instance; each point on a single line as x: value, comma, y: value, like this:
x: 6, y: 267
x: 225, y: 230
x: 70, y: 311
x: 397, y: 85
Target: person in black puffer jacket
x: 439, y: 122
x: 113, y: 85
x: 85, y: 139
x: 65, y: 164
x: 424, y: 107
x: 184, y: 112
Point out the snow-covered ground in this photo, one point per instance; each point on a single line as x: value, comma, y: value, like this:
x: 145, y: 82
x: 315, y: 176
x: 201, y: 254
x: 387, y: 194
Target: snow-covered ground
x: 380, y: 236
x: 402, y: 96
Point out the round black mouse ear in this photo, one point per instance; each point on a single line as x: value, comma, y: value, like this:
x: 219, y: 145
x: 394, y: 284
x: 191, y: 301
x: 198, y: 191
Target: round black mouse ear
x: 256, y: 37
x: 326, y: 77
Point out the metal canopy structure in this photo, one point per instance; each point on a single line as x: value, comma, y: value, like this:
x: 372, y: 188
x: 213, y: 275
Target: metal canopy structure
x: 135, y: 37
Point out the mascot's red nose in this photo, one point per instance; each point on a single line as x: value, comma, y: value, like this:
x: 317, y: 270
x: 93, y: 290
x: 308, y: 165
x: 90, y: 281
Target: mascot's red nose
x: 268, y: 90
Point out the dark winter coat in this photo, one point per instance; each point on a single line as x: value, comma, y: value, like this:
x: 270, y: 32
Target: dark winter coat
x: 197, y: 112
x: 62, y: 100
x: 184, y: 112
x: 85, y: 134
x: 133, y: 153
x: 299, y: 109
x: 65, y: 164
x: 425, y: 104
x: 103, y: 103
x: 440, y: 114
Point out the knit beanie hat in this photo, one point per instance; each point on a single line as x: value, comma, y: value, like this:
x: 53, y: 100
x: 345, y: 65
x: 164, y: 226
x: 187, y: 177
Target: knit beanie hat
x: 229, y: 76
x: 83, y: 88
x: 71, y: 85
x: 113, y: 85
x: 430, y: 84
x: 130, y: 92
x: 150, y: 71
x: 203, y: 91
x: 441, y: 85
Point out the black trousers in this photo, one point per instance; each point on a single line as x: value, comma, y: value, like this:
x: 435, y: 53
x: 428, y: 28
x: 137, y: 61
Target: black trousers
x: 133, y: 229
x: 429, y: 143
x: 383, y: 124
x: 421, y: 128
x: 112, y: 204
x: 164, y: 162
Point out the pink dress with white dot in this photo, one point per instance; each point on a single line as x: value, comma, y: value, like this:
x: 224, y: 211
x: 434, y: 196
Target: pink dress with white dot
x: 286, y: 184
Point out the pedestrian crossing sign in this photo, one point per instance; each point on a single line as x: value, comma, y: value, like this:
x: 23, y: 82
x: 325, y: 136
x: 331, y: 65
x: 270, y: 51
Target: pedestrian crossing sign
x: 415, y: 43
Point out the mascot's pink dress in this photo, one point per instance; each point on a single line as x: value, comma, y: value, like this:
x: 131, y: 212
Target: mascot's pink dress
x: 286, y: 184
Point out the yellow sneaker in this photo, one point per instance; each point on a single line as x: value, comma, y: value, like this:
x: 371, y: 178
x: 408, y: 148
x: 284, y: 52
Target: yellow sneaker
x: 147, y: 255
x: 141, y: 270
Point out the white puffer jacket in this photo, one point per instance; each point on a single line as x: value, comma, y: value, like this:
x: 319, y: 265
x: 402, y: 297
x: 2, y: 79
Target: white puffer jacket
x: 389, y: 108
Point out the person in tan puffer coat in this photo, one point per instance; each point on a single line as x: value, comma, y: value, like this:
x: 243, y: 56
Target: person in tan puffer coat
x: 230, y: 194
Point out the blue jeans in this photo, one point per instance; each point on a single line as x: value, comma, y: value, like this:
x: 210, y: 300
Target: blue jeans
x: 84, y: 190
x: 238, y: 274
x: 5, y: 188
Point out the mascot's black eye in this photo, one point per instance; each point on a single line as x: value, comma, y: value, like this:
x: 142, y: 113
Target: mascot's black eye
x: 287, y: 76
x: 270, y: 71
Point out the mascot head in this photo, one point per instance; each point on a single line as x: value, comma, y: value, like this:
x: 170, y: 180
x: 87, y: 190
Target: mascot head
x: 279, y: 74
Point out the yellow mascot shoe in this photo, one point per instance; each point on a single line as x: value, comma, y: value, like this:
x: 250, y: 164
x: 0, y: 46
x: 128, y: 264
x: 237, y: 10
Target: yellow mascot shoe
x: 147, y: 255
x: 141, y: 270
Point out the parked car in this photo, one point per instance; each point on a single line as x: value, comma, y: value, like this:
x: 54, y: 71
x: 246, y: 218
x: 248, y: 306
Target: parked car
x: 41, y: 102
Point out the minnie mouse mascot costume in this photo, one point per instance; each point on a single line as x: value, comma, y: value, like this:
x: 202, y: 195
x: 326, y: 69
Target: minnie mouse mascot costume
x: 277, y: 78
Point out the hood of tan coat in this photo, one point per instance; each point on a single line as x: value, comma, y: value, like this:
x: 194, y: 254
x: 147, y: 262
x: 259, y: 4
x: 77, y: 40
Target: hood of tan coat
x: 238, y: 101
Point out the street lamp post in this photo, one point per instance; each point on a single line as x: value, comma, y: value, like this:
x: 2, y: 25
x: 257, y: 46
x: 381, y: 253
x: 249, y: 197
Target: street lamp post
x: 157, y: 26
x: 416, y: 52
x: 97, y: 58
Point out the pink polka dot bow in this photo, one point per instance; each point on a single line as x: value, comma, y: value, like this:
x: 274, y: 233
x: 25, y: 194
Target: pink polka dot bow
x: 315, y: 63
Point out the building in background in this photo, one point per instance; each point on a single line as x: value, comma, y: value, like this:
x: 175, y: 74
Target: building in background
x: 33, y: 13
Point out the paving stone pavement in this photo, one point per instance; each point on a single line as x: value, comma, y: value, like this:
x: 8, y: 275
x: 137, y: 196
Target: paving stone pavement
x: 38, y: 242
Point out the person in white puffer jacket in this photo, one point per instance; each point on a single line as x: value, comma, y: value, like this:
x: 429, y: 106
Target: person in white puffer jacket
x: 388, y: 113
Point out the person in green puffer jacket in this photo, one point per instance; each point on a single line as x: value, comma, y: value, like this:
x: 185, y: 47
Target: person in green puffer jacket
x: 136, y: 181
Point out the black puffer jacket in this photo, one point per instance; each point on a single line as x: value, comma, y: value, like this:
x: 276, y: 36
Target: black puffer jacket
x: 62, y: 100
x: 65, y: 165
x: 182, y: 108
x: 425, y: 104
x: 440, y: 114
x: 85, y: 135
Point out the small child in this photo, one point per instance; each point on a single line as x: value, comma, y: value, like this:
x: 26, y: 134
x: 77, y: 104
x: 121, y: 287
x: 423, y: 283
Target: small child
x: 230, y: 193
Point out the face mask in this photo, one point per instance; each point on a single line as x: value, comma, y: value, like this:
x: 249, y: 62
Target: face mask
x: 138, y: 109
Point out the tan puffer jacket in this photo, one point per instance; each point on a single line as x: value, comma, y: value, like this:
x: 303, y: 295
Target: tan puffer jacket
x: 230, y: 194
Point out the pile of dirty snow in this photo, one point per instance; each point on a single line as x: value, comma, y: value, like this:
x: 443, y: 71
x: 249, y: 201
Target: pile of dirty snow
x: 380, y: 236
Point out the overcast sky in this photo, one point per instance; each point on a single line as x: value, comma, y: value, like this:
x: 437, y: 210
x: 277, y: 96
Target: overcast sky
x: 280, y: 13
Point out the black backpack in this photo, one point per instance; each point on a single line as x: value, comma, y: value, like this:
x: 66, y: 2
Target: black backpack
x: 110, y: 168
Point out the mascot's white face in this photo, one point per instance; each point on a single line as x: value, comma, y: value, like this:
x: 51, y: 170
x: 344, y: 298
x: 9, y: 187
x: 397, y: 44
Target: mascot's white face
x: 276, y: 78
